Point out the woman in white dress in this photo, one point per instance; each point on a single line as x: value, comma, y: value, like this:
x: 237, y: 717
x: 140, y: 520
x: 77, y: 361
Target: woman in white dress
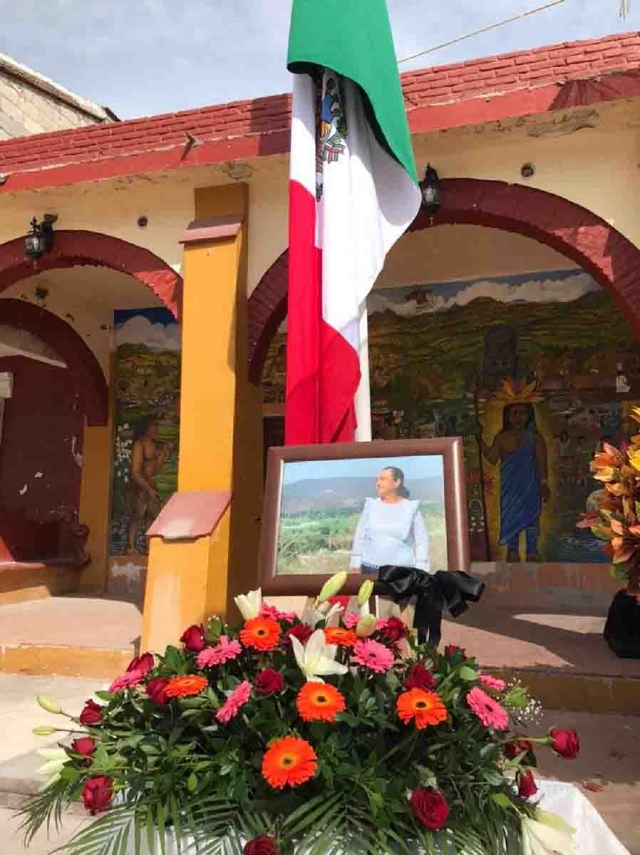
x: 391, y: 529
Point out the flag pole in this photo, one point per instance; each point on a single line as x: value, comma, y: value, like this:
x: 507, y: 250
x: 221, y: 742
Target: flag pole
x: 363, y: 395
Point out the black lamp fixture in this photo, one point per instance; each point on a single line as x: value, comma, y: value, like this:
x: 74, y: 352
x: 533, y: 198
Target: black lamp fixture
x: 430, y: 189
x: 40, y: 238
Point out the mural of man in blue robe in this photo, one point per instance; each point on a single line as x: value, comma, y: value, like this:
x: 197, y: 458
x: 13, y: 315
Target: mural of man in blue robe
x: 524, y: 479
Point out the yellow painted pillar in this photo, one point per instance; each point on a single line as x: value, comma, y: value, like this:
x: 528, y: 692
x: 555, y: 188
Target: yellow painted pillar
x: 220, y: 427
x: 95, y: 501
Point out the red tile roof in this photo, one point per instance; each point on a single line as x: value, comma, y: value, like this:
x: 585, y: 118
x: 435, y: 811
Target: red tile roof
x: 444, y: 96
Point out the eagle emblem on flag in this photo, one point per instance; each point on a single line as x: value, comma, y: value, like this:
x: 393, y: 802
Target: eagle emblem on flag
x: 332, y: 129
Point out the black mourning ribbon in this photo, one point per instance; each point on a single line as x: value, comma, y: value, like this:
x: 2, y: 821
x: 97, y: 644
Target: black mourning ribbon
x: 450, y: 589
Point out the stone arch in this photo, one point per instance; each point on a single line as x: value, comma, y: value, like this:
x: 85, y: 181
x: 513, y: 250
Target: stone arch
x: 84, y: 369
x: 574, y: 231
x: 78, y: 247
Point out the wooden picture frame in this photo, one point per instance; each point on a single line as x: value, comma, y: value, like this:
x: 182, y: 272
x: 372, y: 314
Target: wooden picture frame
x: 450, y: 449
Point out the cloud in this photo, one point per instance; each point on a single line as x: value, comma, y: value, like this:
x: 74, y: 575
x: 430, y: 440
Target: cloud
x: 139, y: 330
x: 550, y: 290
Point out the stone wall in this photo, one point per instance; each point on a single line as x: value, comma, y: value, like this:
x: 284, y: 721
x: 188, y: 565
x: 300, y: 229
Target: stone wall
x: 24, y: 109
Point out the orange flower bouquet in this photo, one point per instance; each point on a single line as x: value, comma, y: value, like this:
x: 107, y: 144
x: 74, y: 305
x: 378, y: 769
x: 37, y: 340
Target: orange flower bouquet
x: 333, y: 732
x: 615, y: 515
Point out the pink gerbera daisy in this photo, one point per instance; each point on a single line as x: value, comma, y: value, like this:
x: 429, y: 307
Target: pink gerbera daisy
x: 236, y: 699
x: 128, y: 679
x: 373, y: 655
x: 492, y: 683
x: 223, y: 652
x: 490, y: 713
x: 272, y: 612
x: 351, y: 619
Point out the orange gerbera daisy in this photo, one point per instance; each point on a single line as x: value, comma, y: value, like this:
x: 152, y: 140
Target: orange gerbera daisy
x: 339, y: 635
x: 183, y: 687
x: 423, y: 707
x: 319, y: 702
x: 289, y: 761
x: 261, y: 633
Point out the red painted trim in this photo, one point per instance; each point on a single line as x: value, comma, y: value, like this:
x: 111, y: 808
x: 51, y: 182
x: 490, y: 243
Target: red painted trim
x: 73, y: 248
x: 84, y: 369
x: 512, y: 105
x: 478, y: 111
x: 481, y: 90
x: 574, y: 231
x: 216, y: 151
x: 190, y: 515
x: 211, y: 229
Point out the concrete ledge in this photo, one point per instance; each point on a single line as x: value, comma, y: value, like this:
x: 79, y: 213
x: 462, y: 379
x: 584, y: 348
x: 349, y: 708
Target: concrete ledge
x: 22, y: 581
x: 593, y: 693
x: 63, y: 661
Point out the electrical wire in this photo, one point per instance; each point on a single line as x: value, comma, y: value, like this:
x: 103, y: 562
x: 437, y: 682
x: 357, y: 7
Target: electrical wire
x: 488, y: 28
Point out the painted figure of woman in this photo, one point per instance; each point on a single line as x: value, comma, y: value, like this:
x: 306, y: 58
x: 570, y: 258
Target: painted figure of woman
x: 391, y: 529
x: 524, y: 479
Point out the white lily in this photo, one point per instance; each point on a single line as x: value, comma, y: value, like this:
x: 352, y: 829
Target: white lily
x: 312, y: 617
x: 316, y: 659
x: 56, y: 758
x: 547, y: 834
x: 249, y: 604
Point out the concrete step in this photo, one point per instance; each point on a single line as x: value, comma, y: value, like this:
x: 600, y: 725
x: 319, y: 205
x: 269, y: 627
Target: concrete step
x: 71, y: 636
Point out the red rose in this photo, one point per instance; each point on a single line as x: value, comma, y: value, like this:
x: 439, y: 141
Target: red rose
x: 155, y: 690
x: 85, y: 746
x: 268, y: 682
x: 512, y: 749
x: 395, y: 629
x: 193, y: 638
x: 526, y: 784
x: 91, y: 714
x: 451, y: 650
x: 97, y: 793
x: 419, y: 678
x: 142, y: 664
x: 262, y: 846
x: 565, y: 743
x: 429, y: 807
x: 300, y: 631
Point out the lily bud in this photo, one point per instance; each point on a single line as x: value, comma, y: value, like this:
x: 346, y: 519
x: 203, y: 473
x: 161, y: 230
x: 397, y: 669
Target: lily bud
x: 332, y: 587
x: 366, y: 626
x: 49, y: 705
x: 44, y: 730
x: 364, y: 594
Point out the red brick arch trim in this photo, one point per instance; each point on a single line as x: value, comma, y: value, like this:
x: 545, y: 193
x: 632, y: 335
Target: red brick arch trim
x: 579, y: 234
x: 73, y: 248
x: 84, y: 369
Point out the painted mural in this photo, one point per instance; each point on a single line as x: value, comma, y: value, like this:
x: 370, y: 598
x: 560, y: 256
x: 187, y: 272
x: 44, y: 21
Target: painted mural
x: 147, y: 384
x: 535, y: 371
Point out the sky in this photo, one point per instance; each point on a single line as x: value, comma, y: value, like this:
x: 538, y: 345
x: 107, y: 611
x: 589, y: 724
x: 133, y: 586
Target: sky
x: 143, y: 57
x: 419, y: 466
x: 562, y: 286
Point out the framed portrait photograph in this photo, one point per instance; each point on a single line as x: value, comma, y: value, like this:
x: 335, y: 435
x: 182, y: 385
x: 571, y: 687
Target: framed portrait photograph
x: 361, y: 506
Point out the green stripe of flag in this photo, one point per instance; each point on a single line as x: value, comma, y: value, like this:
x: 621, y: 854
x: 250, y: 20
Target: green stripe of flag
x: 353, y: 38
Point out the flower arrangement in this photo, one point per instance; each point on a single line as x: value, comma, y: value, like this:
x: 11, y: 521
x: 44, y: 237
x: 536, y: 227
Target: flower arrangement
x: 333, y: 732
x: 616, y: 515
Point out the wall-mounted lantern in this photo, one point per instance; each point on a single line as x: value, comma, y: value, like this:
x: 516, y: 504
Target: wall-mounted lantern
x: 40, y: 239
x: 430, y: 189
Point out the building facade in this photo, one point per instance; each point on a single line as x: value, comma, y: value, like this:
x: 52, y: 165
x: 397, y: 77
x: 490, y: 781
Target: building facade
x: 149, y: 341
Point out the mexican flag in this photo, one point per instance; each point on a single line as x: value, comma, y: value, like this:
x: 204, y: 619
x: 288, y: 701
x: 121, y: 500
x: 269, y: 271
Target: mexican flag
x: 352, y: 193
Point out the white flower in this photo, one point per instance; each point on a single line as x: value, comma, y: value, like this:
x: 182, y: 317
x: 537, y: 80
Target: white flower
x: 249, y: 604
x: 313, y: 616
x: 548, y: 834
x: 56, y: 758
x: 316, y: 659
